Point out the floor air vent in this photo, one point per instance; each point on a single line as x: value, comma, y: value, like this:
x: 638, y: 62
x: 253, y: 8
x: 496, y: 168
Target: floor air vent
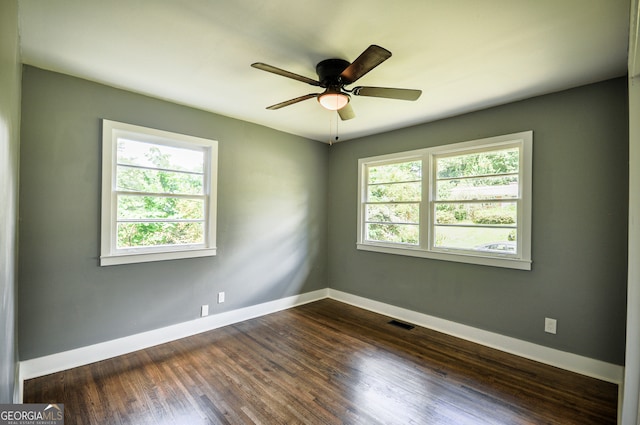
x: 401, y: 325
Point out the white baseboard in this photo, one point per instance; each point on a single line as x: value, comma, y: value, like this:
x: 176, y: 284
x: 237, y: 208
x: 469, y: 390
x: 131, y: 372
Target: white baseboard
x: 57, y: 362
x: 583, y: 365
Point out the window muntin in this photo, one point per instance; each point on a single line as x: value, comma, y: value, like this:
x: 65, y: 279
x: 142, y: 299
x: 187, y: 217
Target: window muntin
x: 473, y: 203
x: 159, y: 193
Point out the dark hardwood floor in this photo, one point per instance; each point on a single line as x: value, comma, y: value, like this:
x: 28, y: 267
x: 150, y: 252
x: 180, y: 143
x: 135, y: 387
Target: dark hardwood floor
x: 323, y: 363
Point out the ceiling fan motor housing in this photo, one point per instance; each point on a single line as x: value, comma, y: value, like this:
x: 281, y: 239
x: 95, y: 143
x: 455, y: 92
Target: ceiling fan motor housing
x: 329, y: 70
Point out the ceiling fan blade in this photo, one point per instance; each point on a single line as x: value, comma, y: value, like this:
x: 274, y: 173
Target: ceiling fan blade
x: 292, y: 101
x: 346, y: 112
x: 389, y: 93
x: 282, y: 72
x: 369, y: 59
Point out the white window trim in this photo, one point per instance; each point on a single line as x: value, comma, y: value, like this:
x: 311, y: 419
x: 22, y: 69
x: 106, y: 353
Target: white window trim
x: 424, y: 249
x: 109, y: 254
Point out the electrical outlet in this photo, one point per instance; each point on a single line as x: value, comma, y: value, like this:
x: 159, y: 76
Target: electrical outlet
x: 204, y: 310
x: 550, y: 325
x: 220, y: 297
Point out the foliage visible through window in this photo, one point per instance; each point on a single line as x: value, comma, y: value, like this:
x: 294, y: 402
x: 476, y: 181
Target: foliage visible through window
x: 476, y: 200
x: 159, y: 195
x: 457, y: 202
x: 160, y: 192
x: 394, y: 192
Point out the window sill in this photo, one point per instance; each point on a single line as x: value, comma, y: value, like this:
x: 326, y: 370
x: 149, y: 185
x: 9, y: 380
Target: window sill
x: 509, y: 263
x: 112, y: 260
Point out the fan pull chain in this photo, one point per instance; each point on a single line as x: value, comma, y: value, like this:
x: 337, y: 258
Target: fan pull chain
x: 333, y: 138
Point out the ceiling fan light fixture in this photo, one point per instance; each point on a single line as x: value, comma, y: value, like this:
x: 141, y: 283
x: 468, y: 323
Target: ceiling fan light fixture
x: 333, y: 100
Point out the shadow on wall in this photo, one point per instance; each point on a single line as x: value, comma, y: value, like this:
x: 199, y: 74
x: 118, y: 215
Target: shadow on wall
x: 272, y: 241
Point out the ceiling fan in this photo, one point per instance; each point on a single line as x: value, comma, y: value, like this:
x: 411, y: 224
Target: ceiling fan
x: 335, y: 74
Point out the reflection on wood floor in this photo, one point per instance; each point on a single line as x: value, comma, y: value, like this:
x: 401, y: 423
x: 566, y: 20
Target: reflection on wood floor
x: 323, y: 363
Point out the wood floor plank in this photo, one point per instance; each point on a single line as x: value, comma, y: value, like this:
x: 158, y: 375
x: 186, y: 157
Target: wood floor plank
x: 324, y: 363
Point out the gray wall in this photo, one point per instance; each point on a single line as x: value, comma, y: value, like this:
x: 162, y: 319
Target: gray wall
x: 9, y: 149
x: 580, y: 199
x: 274, y: 219
x: 272, y: 204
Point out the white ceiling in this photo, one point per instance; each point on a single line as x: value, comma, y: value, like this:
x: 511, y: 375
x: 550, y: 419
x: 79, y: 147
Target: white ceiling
x: 464, y: 55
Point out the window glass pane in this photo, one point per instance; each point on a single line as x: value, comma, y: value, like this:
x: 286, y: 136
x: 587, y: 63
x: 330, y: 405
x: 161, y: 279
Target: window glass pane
x: 146, y: 207
x: 396, y: 233
x: 488, y: 240
x: 151, y: 155
x: 478, y: 164
x: 400, y: 172
x: 499, y: 187
x: 157, y: 181
x: 477, y: 213
x: 488, y: 226
x: 394, y: 192
x: 131, y: 235
x: 393, y: 213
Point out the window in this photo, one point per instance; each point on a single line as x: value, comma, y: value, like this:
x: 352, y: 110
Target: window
x: 158, y: 195
x: 467, y: 202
